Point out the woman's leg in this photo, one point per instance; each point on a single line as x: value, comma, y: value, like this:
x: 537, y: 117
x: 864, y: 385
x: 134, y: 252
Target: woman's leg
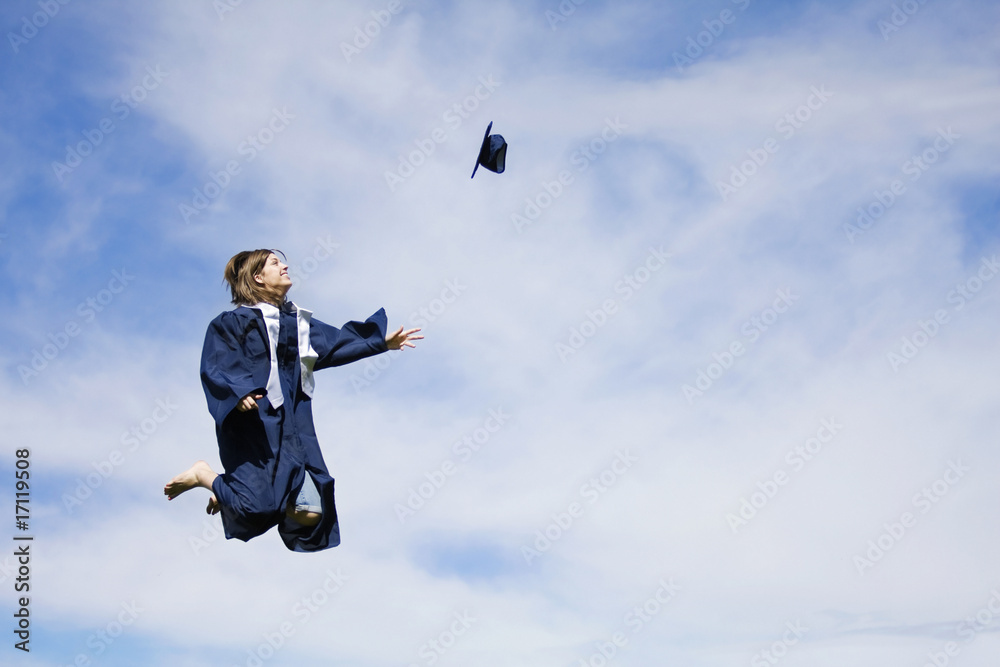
x: 308, y: 507
x: 303, y: 517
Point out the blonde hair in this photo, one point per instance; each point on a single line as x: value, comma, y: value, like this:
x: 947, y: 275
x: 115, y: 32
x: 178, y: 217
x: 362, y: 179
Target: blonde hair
x: 240, y: 272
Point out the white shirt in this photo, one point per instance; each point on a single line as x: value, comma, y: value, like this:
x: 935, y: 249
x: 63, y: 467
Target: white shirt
x: 307, y: 355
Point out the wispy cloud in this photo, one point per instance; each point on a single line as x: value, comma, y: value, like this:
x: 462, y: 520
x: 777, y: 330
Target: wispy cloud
x: 718, y: 228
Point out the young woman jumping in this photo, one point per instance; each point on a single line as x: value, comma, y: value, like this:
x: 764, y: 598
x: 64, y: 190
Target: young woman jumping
x: 257, y: 372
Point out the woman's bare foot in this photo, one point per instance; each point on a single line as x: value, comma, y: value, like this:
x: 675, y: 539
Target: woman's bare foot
x: 200, y: 474
x: 213, y: 505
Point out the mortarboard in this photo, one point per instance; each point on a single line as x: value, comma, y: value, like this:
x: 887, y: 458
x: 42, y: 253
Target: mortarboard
x: 493, y: 152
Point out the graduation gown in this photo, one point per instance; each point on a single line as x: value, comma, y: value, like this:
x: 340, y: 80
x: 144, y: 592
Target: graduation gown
x: 267, y: 452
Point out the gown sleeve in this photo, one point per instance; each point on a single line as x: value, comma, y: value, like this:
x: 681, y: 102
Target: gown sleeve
x: 353, y: 341
x: 226, y: 367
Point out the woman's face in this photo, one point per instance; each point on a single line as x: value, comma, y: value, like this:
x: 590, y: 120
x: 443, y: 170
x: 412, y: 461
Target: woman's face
x: 274, y: 276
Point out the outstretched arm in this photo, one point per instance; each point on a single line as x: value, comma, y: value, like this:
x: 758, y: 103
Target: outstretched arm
x: 354, y: 341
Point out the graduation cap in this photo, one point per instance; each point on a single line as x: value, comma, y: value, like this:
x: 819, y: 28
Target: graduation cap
x: 492, y: 153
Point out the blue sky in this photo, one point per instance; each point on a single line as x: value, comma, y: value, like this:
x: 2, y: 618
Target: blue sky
x: 722, y: 391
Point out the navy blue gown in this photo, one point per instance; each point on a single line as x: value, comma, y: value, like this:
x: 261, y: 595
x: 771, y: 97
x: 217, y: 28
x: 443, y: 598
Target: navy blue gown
x: 267, y: 452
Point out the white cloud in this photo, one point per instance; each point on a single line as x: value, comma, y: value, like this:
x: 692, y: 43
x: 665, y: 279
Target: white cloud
x: 319, y: 191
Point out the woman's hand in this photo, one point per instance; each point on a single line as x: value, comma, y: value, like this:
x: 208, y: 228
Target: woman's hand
x: 399, y: 338
x: 248, y: 402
